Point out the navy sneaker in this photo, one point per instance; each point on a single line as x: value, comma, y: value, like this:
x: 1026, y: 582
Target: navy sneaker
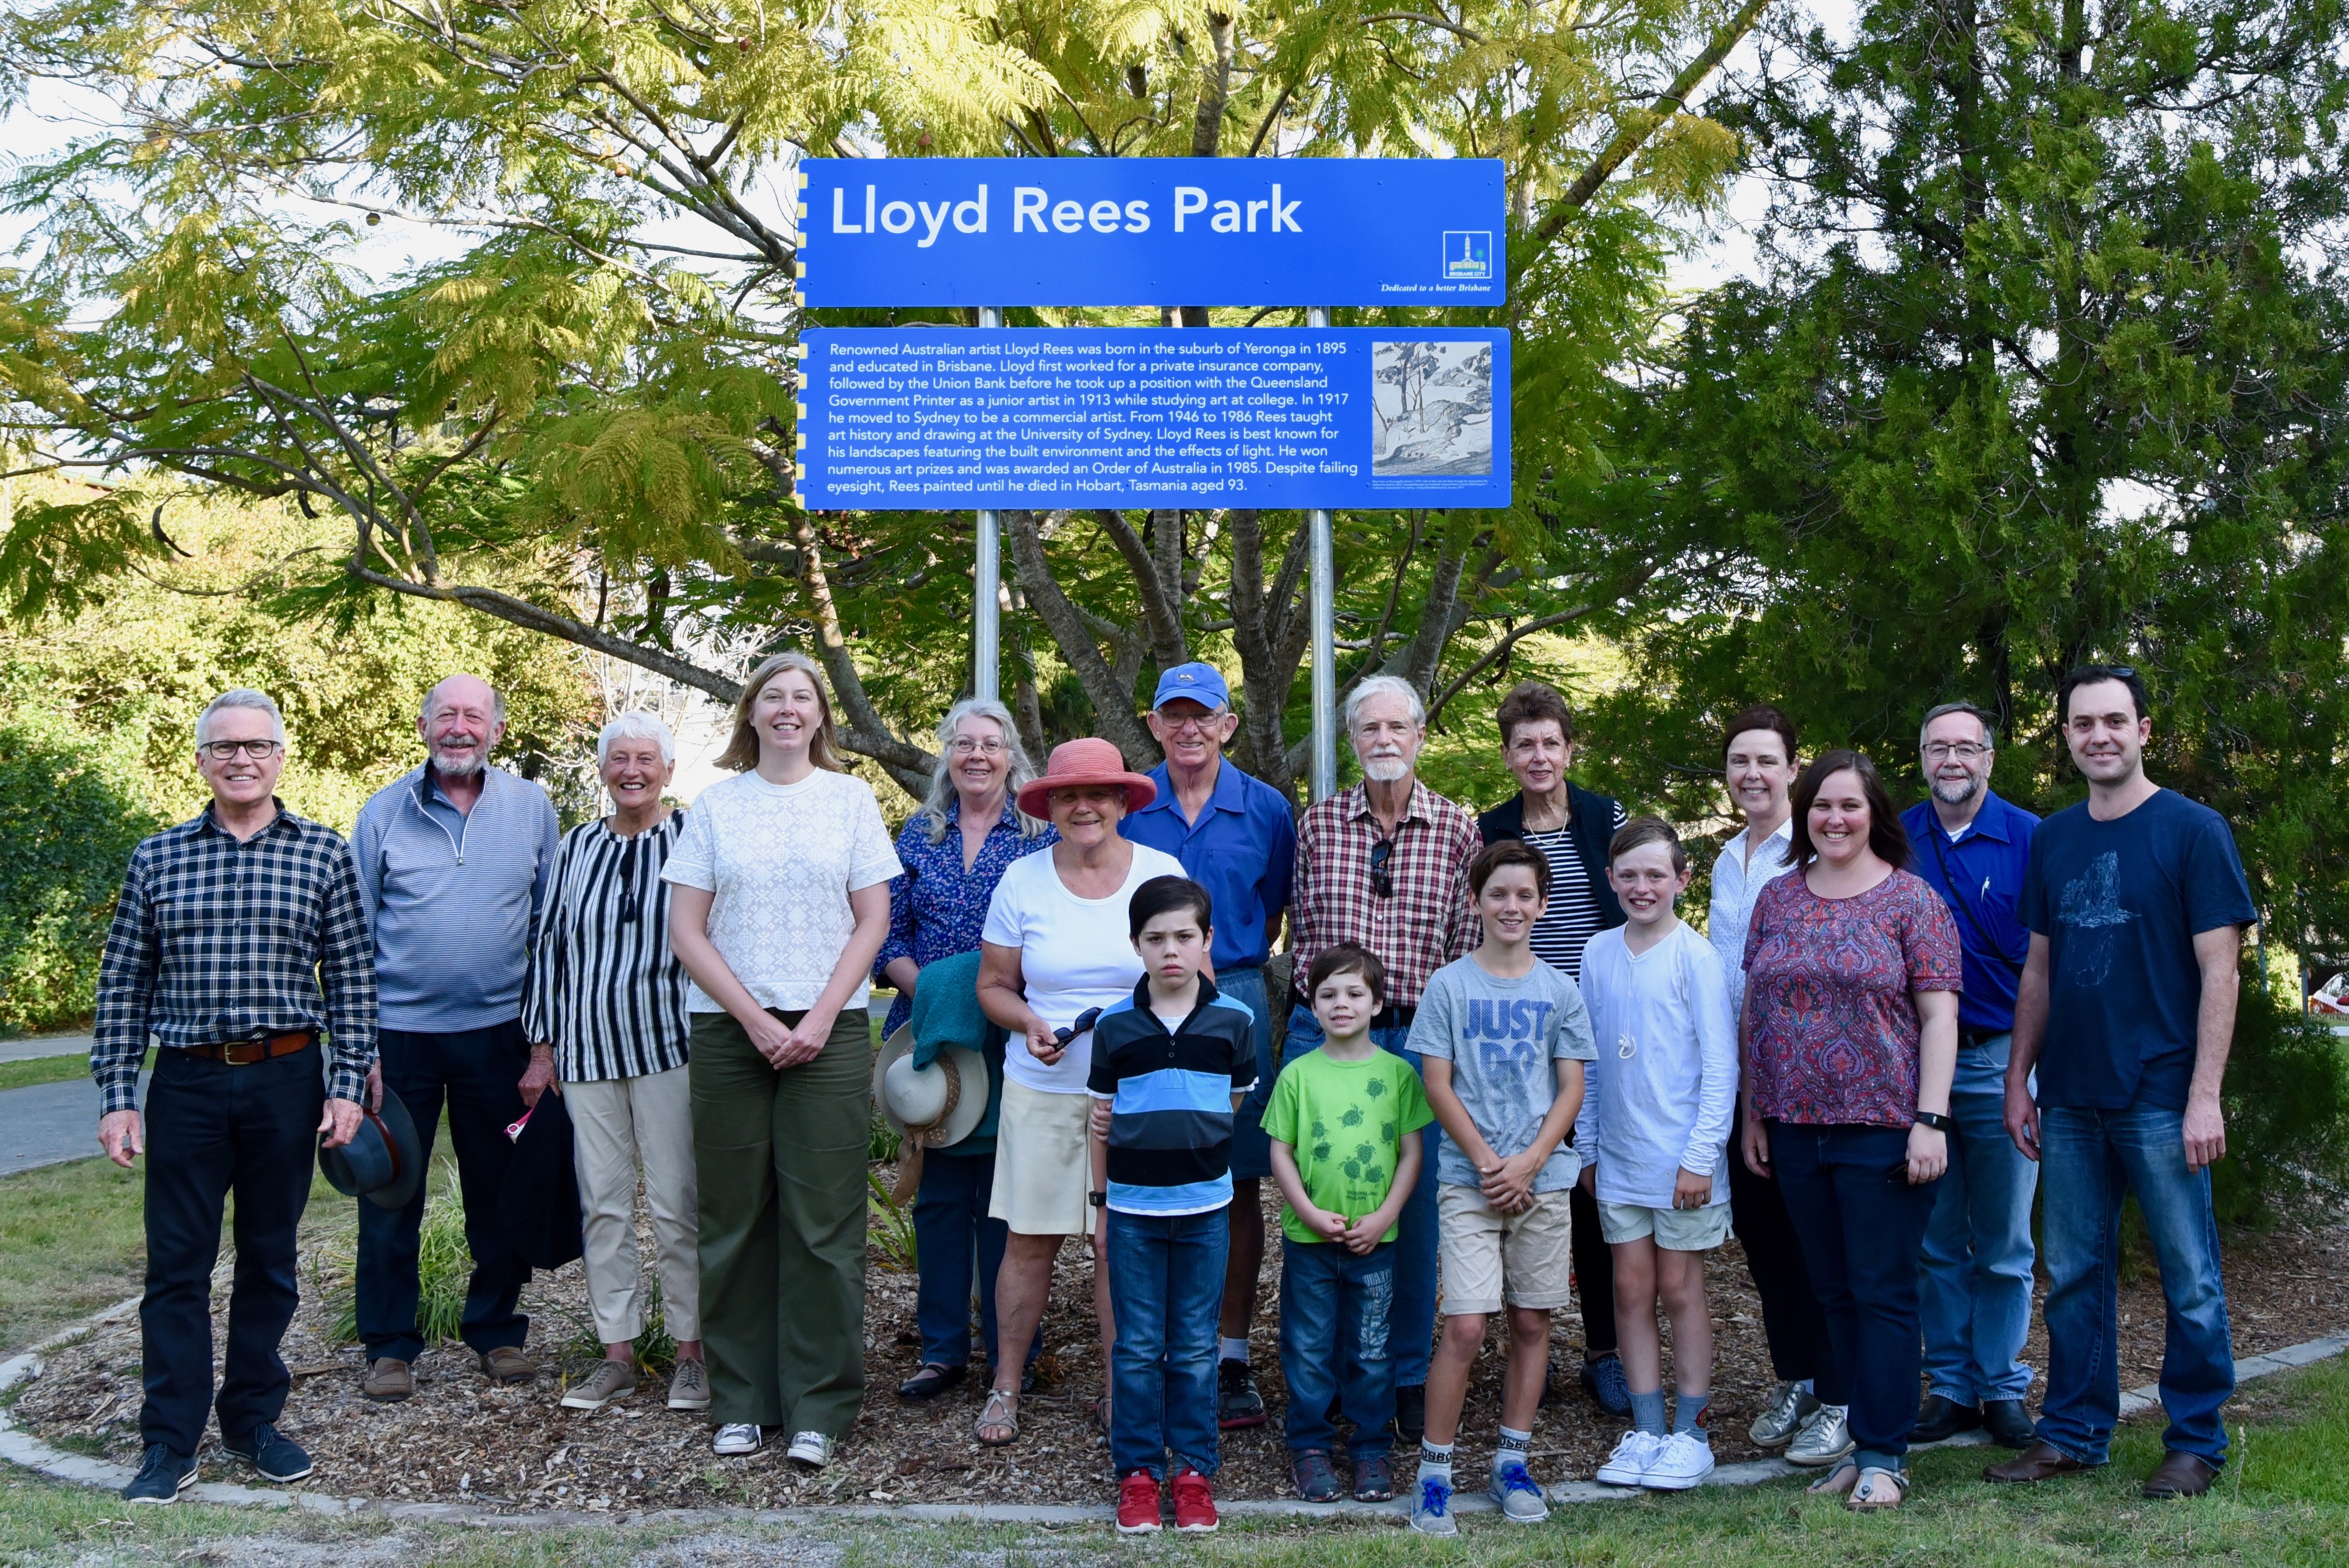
x: 1238, y: 1401
x: 277, y: 1457
x: 160, y: 1476
x: 1604, y: 1381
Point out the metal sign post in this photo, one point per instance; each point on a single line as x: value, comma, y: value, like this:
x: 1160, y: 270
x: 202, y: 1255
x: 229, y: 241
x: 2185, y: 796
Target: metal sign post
x: 986, y: 583
x: 1323, y: 588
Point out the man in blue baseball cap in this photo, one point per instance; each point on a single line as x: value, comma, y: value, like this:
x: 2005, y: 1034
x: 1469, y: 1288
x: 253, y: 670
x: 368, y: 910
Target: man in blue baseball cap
x: 1237, y: 837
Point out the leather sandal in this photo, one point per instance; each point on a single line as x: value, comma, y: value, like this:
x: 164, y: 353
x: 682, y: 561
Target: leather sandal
x: 1869, y: 1491
x: 1001, y: 1413
x: 1836, y: 1482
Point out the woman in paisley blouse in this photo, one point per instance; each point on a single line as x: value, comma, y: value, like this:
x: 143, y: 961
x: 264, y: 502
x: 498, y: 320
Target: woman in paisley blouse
x: 1850, y: 1034
x: 954, y: 850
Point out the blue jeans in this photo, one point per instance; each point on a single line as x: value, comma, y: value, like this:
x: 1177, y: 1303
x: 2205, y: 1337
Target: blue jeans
x: 1165, y: 1287
x: 1333, y: 1343
x: 2092, y: 1158
x: 1411, y: 1333
x: 1860, y: 1222
x: 949, y: 1222
x: 1975, y: 1272
x: 1251, y: 1155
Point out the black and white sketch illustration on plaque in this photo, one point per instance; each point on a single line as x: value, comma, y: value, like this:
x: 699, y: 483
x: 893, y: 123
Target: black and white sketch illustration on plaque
x: 1434, y: 406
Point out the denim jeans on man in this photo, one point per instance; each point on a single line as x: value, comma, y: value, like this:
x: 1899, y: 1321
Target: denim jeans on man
x: 1334, y: 1306
x: 1166, y: 1288
x: 1860, y: 1222
x: 1411, y: 1333
x: 950, y: 1217
x: 214, y: 1129
x: 1975, y: 1269
x: 2091, y: 1158
x: 478, y: 1071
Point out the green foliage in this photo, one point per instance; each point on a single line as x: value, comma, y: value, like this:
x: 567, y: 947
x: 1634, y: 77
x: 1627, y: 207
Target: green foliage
x: 656, y: 1346
x: 70, y: 814
x: 2287, y: 1103
x: 892, y: 1227
x: 444, y: 1266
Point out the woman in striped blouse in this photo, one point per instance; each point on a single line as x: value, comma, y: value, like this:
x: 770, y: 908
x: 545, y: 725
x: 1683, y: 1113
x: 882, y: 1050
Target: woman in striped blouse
x: 606, y: 1002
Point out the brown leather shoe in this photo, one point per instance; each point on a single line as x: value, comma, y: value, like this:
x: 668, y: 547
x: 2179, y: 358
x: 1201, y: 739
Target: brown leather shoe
x: 2040, y: 1462
x: 508, y: 1363
x: 388, y: 1380
x: 2181, y: 1474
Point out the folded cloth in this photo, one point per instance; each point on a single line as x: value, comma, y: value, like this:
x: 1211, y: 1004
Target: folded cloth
x: 539, y: 1200
x: 946, y: 1013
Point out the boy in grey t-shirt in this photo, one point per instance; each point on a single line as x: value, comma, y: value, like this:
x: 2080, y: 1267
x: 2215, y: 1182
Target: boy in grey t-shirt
x: 1502, y: 1038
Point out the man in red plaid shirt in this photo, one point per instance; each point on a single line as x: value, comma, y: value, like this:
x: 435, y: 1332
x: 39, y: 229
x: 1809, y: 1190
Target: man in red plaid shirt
x: 1385, y: 864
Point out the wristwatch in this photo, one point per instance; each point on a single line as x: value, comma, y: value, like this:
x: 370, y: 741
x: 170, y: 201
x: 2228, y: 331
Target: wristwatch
x: 1097, y: 1200
x: 1937, y: 1122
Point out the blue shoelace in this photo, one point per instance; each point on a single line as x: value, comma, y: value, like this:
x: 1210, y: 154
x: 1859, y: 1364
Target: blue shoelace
x: 1435, y: 1496
x: 1514, y: 1477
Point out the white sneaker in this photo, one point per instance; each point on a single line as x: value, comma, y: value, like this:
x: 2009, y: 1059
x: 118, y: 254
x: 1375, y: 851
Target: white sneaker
x: 1684, y: 1460
x: 1825, y: 1437
x: 812, y: 1450
x: 736, y: 1437
x: 1629, y: 1461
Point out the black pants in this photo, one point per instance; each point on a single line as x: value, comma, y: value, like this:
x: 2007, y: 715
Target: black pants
x: 1791, y: 1320
x: 214, y: 1129
x: 1593, y: 1274
x: 477, y: 1071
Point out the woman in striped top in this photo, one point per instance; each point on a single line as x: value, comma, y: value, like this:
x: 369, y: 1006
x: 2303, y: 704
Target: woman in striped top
x: 606, y: 1002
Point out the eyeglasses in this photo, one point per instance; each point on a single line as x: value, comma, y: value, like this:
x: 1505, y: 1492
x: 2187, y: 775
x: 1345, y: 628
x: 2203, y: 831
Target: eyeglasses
x: 1381, y: 880
x: 228, y: 750
x: 1963, y: 750
x: 1201, y: 722
x: 967, y: 746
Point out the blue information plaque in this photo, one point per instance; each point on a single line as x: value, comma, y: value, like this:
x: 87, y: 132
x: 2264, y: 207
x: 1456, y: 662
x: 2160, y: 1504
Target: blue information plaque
x: 1352, y: 417
x: 1151, y: 232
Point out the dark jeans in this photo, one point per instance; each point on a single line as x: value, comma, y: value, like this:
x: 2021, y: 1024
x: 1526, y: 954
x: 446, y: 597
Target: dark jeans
x: 1165, y: 1287
x: 1333, y: 1343
x: 2091, y: 1157
x: 1593, y: 1273
x: 1861, y: 1223
x: 214, y: 1129
x: 949, y: 1223
x: 476, y: 1070
x: 1790, y: 1312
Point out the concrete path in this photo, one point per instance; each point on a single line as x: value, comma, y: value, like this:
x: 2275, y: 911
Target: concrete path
x: 50, y: 1124
x: 44, y: 1046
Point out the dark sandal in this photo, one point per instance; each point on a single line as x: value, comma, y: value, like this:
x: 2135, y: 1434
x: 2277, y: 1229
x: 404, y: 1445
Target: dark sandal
x: 934, y: 1379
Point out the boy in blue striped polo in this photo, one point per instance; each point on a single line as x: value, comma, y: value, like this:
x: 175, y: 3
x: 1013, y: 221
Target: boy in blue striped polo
x: 1171, y: 1062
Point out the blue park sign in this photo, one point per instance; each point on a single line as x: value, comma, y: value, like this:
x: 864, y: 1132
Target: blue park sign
x: 1151, y: 232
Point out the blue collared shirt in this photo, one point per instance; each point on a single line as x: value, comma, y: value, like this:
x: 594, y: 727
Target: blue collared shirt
x: 1241, y: 850
x: 1986, y: 863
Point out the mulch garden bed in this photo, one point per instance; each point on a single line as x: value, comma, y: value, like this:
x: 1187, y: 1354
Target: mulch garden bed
x: 462, y: 1440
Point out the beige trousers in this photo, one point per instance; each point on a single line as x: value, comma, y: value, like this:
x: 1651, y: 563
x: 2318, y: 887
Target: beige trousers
x: 618, y: 1124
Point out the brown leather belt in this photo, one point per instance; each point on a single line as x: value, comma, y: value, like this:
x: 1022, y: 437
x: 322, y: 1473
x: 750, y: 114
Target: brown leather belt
x: 245, y: 1052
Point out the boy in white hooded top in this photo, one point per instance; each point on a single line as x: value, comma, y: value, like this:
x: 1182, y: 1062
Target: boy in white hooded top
x: 1654, y: 1131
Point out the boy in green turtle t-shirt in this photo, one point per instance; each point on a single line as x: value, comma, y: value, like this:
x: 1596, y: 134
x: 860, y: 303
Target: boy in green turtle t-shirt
x: 1344, y: 1122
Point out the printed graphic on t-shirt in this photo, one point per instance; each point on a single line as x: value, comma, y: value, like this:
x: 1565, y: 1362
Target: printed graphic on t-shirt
x: 2090, y: 909
x: 1350, y: 1143
x: 1508, y: 1034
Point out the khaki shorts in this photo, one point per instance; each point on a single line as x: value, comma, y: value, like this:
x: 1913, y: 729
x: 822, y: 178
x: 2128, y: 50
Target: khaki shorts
x: 1489, y: 1257
x: 1675, y: 1230
x: 1041, y: 1167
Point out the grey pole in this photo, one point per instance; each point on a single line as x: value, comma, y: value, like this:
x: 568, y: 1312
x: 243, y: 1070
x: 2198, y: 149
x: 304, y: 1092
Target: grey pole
x: 986, y: 583
x: 1324, y: 589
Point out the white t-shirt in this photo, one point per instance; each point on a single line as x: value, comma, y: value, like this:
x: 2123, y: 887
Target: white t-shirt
x: 1663, y: 1091
x: 1074, y: 954
x: 781, y: 860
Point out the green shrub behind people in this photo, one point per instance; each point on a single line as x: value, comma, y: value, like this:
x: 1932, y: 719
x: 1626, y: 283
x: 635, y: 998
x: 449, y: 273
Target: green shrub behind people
x: 70, y: 814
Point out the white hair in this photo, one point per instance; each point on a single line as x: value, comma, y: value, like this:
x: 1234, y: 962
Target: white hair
x: 1385, y: 685
x: 941, y: 805
x: 497, y: 699
x: 641, y: 725
x: 247, y: 698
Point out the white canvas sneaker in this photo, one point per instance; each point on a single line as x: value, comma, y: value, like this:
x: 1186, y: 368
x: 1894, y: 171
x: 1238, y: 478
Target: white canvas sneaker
x: 1629, y: 1463
x: 1683, y: 1462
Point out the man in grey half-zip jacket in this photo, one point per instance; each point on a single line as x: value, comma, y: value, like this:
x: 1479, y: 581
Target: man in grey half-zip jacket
x: 453, y: 859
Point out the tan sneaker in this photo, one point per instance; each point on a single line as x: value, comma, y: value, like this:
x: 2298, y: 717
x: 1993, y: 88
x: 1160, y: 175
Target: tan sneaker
x: 508, y: 1363
x: 609, y: 1381
x: 689, y: 1387
x: 388, y: 1380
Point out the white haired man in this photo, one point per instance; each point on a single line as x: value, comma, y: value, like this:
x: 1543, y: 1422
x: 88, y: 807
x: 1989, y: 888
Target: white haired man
x: 605, y: 1012
x: 239, y: 940
x: 1384, y: 865
x: 454, y: 856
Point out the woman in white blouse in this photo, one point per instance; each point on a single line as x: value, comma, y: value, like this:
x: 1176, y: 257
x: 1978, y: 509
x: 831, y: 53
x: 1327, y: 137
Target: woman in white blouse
x: 780, y: 901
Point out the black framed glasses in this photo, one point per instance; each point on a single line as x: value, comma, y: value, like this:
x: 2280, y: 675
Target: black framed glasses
x: 227, y: 750
x: 1382, y: 879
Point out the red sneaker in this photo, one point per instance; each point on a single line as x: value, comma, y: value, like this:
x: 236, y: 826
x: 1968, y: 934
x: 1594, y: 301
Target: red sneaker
x: 1138, y: 1506
x: 1195, y: 1503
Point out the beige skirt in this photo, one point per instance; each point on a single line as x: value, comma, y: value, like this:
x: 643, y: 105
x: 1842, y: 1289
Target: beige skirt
x: 1041, y: 1167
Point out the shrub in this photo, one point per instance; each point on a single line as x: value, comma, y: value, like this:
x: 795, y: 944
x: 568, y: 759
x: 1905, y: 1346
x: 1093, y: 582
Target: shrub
x: 444, y: 1266
x: 2287, y: 1103
x: 69, y: 817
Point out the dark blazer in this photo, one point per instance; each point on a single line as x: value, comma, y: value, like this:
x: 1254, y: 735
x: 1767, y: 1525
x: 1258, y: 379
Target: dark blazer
x: 1592, y: 826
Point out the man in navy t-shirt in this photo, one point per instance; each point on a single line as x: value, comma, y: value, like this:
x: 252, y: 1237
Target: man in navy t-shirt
x: 2135, y: 901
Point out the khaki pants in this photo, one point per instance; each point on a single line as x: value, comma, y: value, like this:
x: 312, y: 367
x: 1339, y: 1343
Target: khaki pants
x: 782, y: 1162
x: 618, y: 1124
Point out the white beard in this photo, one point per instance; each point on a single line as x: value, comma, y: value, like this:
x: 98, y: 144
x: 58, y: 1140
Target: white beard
x: 461, y: 768
x: 1387, y: 771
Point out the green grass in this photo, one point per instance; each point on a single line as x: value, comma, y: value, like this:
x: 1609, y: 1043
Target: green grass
x: 47, y: 1069
x: 71, y: 1241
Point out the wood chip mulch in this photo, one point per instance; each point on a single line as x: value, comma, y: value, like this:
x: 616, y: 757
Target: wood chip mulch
x: 461, y: 1440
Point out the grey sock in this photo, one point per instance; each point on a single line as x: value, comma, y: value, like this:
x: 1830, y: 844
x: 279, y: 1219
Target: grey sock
x: 1688, y: 1413
x: 1648, y: 1412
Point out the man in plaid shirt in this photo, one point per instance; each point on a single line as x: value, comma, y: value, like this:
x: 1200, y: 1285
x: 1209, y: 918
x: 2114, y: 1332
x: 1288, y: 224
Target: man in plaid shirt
x: 226, y: 928
x: 1385, y: 865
